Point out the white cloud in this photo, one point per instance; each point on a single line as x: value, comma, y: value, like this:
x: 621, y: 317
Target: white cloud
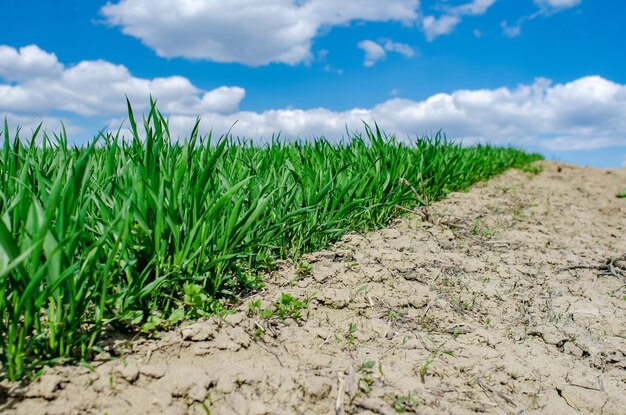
x: 585, y: 113
x: 98, y: 88
x: 401, y: 48
x: 373, y: 52
x: 252, y: 32
x: 378, y: 51
x: 546, y: 8
x: 27, y: 62
x: 556, y: 5
x: 474, y: 8
x: 510, y: 31
x: 27, y: 124
x: 434, y: 27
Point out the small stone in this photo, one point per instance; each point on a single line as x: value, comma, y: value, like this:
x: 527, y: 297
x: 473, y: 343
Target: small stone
x: 236, y: 319
x: 201, y: 350
x: 321, y: 332
x: 191, y: 383
x: 153, y: 371
x: 45, y: 387
x: 335, y: 298
x: 572, y: 349
x: 239, y: 336
x: 130, y: 372
x: 550, y: 334
x: 198, y: 332
x: 197, y: 393
x: 223, y: 342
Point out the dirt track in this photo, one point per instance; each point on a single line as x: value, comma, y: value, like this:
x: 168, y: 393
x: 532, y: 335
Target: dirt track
x: 503, y: 303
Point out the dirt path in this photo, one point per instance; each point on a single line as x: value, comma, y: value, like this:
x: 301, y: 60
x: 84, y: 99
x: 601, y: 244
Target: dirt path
x: 481, y: 310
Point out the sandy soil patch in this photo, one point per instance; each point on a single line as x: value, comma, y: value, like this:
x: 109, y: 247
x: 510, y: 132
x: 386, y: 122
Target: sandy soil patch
x: 512, y: 299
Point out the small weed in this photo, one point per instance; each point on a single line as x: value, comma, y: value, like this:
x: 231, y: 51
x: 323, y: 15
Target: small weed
x: 479, y: 229
x: 352, y: 328
x: 436, y: 352
x: 556, y: 317
x: 304, y: 269
x: 286, y: 306
x: 367, y: 365
x: 404, y: 404
x: 391, y: 314
x: 254, y: 307
x: 367, y: 380
x: 363, y: 289
x: 248, y: 281
x: 533, y: 169
x: 621, y: 195
x: 195, y: 304
x: 348, y: 336
x: 424, y: 369
x: 289, y: 306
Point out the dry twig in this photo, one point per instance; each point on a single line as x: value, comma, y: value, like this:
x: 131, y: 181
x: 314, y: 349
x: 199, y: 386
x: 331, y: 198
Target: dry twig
x: 341, y: 390
x: 612, y: 266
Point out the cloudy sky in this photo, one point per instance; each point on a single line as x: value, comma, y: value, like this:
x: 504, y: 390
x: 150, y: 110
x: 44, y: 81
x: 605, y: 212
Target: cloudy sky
x: 547, y: 75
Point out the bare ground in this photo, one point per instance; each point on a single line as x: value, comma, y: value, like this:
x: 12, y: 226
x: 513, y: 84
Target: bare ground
x: 511, y: 299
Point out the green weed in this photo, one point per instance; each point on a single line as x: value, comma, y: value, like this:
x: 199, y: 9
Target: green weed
x: 286, y: 306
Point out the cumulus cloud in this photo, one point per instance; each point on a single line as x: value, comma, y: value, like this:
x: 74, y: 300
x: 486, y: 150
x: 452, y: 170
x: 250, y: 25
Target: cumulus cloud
x: 27, y: 62
x: 373, y: 52
x: 377, y: 51
x: 434, y: 27
x: 252, y: 32
x: 98, y: 88
x: 585, y: 113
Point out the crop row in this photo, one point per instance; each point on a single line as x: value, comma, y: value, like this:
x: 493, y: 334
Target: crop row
x: 143, y: 233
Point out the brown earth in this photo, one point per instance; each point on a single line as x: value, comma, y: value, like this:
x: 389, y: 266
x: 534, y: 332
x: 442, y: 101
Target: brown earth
x: 510, y: 299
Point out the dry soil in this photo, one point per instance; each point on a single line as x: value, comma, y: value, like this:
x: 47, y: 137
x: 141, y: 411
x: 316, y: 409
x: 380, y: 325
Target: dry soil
x: 507, y: 299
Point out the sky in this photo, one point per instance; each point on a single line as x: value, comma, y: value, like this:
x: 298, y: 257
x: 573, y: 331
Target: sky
x: 545, y: 75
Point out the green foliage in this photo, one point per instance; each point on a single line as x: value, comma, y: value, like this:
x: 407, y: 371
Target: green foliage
x: 286, y: 306
x: 142, y: 233
x: 532, y: 168
x: 366, y: 380
x: 405, y: 404
x: 304, y: 268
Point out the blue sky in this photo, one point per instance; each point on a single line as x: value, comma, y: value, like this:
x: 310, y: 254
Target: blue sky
x: 547, y: 75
